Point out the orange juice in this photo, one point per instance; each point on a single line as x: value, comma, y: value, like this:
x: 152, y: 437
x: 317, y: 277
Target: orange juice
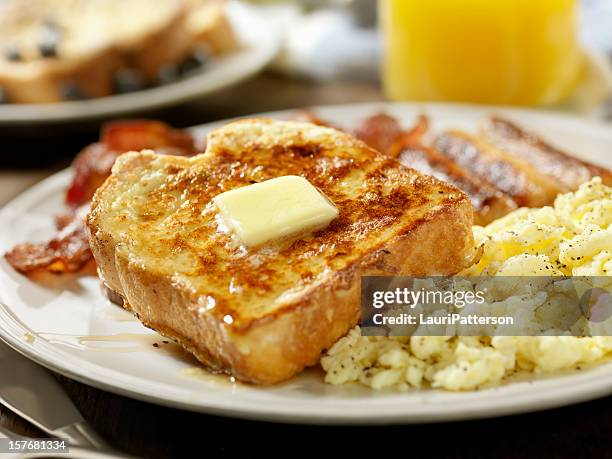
x: 522, y: 52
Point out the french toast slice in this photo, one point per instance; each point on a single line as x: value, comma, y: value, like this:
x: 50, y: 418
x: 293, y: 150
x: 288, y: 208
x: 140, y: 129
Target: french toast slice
x: 263, y: 314
x: 57, y: 50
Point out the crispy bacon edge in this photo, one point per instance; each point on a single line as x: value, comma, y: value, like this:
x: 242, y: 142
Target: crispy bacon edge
x: 68, y: 251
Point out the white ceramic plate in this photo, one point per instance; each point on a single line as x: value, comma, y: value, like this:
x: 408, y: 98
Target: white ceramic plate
x: 260, y: 41
x: 72, y: 329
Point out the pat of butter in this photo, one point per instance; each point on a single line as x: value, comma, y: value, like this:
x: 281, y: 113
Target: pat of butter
x: 275, y: 208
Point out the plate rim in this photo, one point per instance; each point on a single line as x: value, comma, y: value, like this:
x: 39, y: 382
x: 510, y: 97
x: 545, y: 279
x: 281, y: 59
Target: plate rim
x: 524, y: 401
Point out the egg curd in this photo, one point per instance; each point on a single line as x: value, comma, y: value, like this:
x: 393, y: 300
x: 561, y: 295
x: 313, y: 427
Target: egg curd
x: 573, y: 237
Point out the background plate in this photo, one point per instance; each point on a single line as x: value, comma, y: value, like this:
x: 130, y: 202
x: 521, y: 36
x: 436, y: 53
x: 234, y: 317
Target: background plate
x: 69, y: 327
x: 260, y: 39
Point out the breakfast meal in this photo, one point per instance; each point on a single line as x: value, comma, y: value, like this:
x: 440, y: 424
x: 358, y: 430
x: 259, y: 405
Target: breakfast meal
x: 61, y: 50
x: 263, y: 309
x: 250, y: 254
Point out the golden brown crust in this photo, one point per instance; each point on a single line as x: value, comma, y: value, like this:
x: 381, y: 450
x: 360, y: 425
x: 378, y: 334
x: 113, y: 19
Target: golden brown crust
x: 510, y: 174
x: 568, y: 170
x: 489, y: 203
x: 393, y: 221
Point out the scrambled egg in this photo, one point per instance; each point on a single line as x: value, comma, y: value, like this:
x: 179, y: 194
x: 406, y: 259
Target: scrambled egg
x: 574, y: 237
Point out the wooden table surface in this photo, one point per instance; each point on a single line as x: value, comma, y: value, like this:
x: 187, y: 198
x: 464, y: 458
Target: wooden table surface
x: 583, y: 430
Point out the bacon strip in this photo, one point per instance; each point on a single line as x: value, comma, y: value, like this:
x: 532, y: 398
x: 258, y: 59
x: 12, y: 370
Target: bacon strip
x: 93, y: 165
x: 413, y: 136
x: 382, y: 131
x: 379, y: 132
x: 68, y: 251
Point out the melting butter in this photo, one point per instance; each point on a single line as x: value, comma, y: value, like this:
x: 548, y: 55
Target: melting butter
x: 274, y: 209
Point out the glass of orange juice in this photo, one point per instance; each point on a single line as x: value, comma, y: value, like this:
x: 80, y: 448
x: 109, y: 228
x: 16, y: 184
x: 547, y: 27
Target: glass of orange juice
x: 518, y: 52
